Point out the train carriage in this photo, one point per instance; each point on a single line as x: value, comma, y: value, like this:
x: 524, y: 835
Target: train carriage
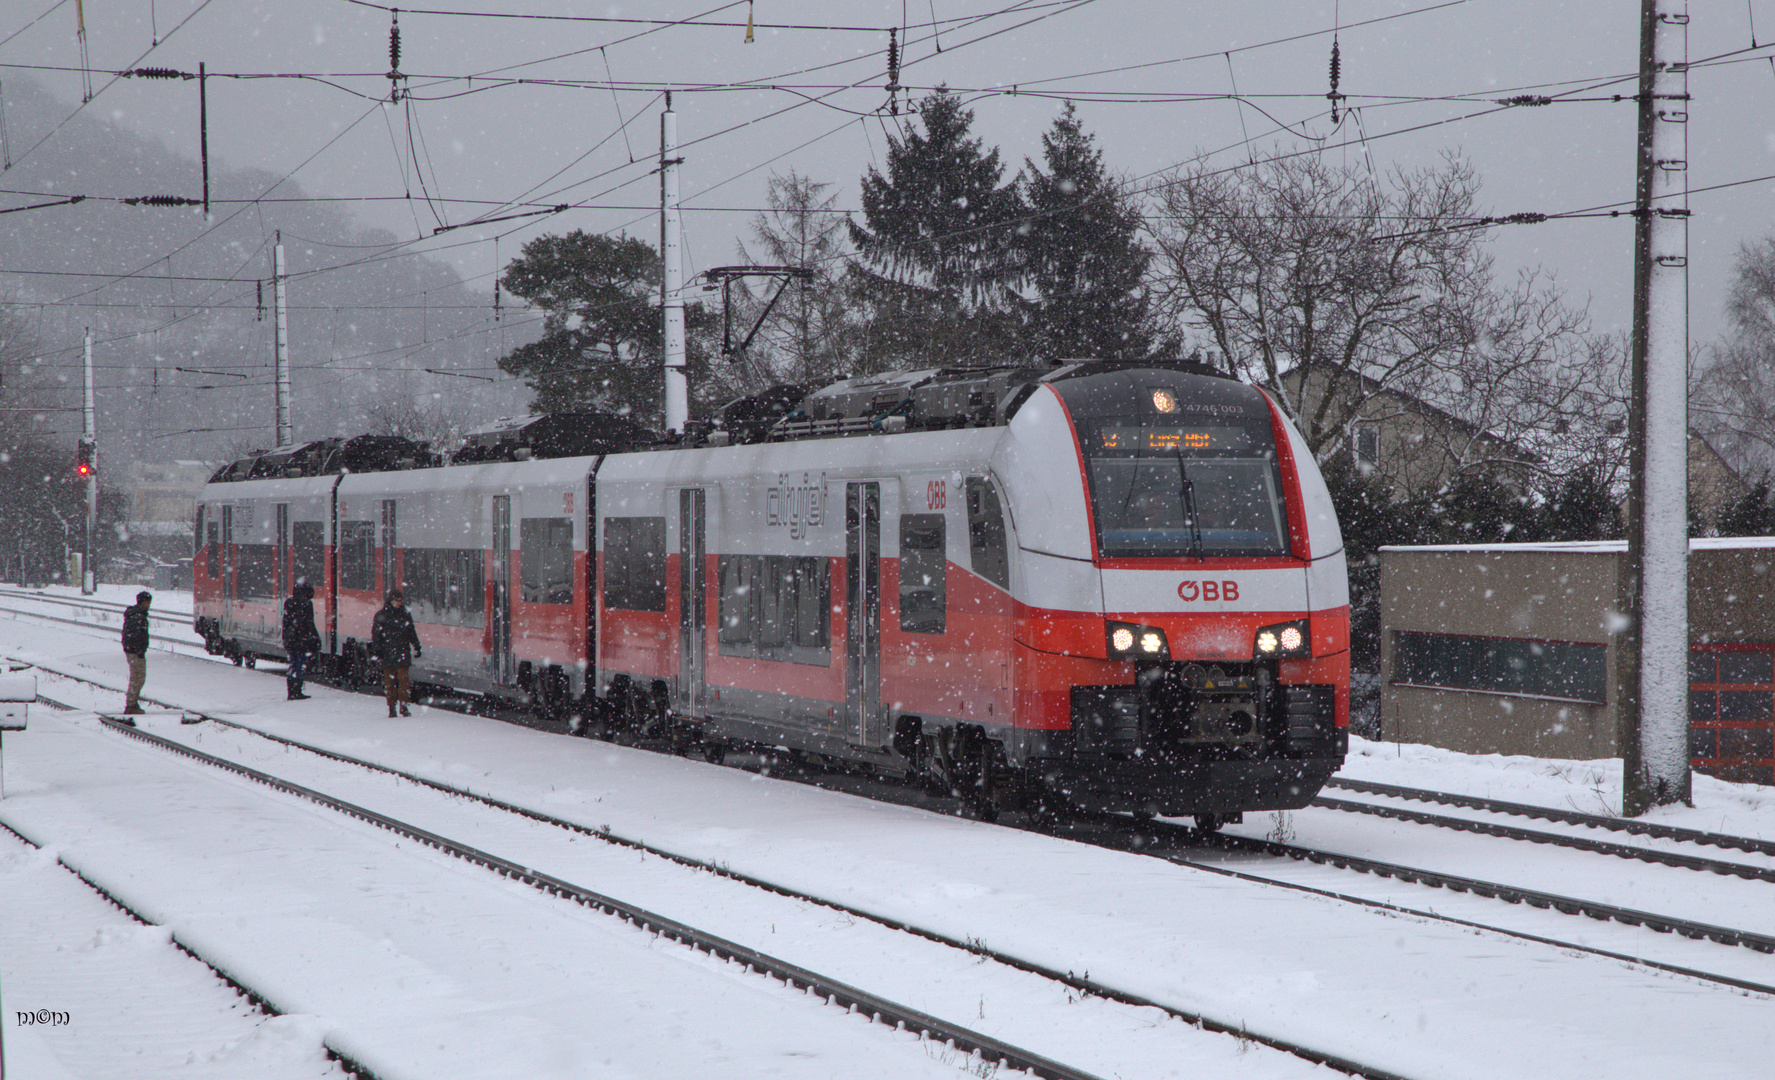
x: 1121, y: 586
x: 492, y: 561
x: 255, y: 540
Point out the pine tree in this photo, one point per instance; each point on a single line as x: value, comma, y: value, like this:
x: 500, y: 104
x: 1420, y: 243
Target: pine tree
x: 939, y: 246
x: 1082, y: 253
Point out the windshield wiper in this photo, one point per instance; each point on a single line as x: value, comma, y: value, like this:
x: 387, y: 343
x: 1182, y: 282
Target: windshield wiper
x: 1189, y: 507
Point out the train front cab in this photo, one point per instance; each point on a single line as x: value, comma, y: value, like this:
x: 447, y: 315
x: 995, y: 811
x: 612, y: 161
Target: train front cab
x: 1181, y: 638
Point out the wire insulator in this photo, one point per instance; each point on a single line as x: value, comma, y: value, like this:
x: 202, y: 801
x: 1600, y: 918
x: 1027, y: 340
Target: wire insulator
x: 1526, y: 99
x: 394, y: 45
x: 162, y: 200
x: 893, y: 70
x: 158, y: 73
x: 1337, y: 66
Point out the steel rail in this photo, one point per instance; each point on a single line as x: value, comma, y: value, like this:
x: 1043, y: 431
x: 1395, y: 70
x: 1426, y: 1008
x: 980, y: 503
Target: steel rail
x: 1568, y: 817
x: 1535, y: 836
x: 88, y: 602
x: 1136, y: 839
x: 854, y: 1000
x: 258, y: 1000
x: 1381, y: 905
x: 1508, y: 893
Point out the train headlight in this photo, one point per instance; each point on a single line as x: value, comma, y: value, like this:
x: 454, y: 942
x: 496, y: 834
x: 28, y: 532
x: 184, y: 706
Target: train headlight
x: 1130, y: 642
x: 1282, y: 641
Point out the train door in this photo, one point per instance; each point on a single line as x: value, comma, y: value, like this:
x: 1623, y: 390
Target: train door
x: 390, y: 579
x: 280, y: 571
x: 692, y: 598
x: 227, y: 620
x: 865, y: 723
x: 502, y: 586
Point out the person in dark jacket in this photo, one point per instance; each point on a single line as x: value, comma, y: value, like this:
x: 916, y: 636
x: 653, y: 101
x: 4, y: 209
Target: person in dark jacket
x: 301, y: 638
x: 135, y: 650
x: 391, y: 637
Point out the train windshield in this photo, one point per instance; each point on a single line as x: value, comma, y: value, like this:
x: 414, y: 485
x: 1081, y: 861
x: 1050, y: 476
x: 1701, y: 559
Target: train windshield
x: 1186, y: 491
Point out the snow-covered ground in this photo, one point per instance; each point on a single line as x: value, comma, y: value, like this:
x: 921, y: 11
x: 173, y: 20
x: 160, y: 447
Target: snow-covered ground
x: 423, y: 968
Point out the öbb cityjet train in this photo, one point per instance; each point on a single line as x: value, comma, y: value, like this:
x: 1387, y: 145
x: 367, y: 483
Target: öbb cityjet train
x: 1117, y: 586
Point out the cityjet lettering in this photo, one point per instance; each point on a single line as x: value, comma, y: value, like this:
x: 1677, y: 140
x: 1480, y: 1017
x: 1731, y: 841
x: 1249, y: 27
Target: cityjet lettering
x: 1191, y: 590
x: 796, y: 505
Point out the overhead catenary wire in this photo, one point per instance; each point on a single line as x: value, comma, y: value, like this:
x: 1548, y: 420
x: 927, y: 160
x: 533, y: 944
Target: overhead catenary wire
x: 687, y: 208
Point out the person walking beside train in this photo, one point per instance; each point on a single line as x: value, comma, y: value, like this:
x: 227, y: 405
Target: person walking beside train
x: 135, y: 650
x: 391, y: 637
x: 301, y: 637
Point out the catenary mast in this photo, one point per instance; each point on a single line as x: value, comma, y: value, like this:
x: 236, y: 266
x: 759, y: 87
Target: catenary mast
x: 1654, y: 732
x: 672, y: 271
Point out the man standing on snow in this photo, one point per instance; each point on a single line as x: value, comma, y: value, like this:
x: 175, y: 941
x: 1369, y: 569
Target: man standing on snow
x: 391, y: 636
x: 135, y: 650
x: 301, y: 638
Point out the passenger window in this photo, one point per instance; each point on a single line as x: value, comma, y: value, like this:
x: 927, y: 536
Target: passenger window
x: 310, y: 552
x: 924, y: 585
x: 357, y: 555
x: 986, y: 533
x: 635, y: 563
x: 813, y: 608
x: 776, y: 607
x: 546, y: 560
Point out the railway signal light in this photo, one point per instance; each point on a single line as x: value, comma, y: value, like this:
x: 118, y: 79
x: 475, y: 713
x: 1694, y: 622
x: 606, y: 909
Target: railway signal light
x: 86, y: 460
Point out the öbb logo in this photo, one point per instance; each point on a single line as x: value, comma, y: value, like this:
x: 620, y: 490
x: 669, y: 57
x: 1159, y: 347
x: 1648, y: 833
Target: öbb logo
x: 1192, y: 590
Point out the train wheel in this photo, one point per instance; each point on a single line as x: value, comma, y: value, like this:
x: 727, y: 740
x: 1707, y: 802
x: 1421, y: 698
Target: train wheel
x: 1208, y: 824
x: 714, y: 752
x: 252, y: 661
x: 978, y: 807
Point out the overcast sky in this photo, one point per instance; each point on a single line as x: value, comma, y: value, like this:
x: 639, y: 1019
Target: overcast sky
x: 1153, y: 81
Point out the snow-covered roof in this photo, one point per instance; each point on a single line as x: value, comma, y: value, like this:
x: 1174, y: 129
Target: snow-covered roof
x: 1597, y: 547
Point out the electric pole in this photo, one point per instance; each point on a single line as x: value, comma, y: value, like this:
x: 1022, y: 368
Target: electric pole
x: 89, y: 437
x: 672, y: 272
x: 1654, y: 716
x: 282, y: 333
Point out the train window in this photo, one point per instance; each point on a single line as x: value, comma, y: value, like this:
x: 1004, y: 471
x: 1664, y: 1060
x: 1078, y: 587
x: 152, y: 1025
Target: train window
x: 309, y: 552
x: 197, y: 534
x: 813, y: 609
x: 775, y: 604
x: 635, y: 563
x: 212, y: 569
x: 924, y: 585
x: 253, y: 573
x: 986, y: 533
x: 357, y: 555
x: 736, y: 605
x: 776, y: 607
x: 445, y: 586
x: 546, y: 568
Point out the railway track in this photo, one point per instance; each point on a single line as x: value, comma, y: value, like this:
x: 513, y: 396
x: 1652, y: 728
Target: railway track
x: 90, y: 603
x: 1182, y: 844
x: 1578, y: 843
x: 853, y: 999
x: 856, y: 1000
x: 1629, y: 826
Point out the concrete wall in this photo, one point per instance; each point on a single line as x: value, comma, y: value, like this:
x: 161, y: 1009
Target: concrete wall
x: 1563, y: 595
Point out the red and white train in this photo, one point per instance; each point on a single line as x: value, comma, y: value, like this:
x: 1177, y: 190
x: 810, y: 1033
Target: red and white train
x: 1123, y: 585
